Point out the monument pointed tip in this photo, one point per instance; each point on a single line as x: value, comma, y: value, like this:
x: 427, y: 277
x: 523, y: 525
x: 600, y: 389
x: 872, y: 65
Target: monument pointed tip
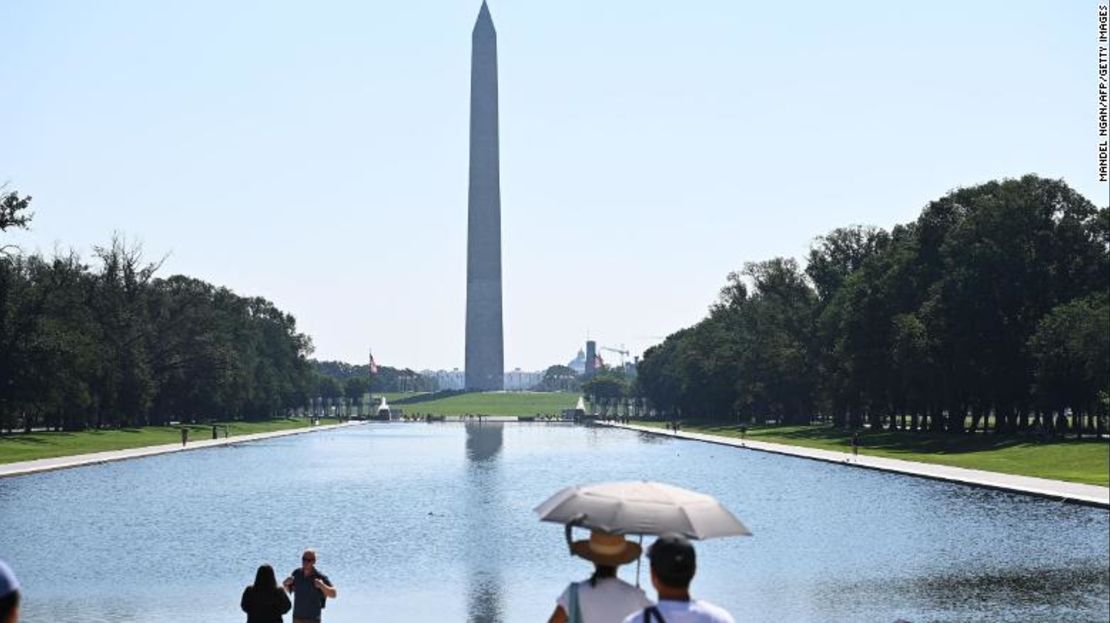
x: 483, y: 12
x: 484, y: 24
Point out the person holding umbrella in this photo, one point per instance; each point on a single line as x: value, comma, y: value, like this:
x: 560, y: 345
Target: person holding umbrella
x: 604, y: 597
x: 673, y: 564
x: 641, y: 507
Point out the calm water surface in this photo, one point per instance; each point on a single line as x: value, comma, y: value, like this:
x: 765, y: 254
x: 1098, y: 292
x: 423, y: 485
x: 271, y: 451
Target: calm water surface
x: 418, y: 522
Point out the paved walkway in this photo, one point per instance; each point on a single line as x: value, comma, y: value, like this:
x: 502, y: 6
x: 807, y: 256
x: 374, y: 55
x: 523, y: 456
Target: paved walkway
x: 1091, y: 495
x: 78, y: 460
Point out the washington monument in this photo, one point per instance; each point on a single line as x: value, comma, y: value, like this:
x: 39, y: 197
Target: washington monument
x: 485, y: 352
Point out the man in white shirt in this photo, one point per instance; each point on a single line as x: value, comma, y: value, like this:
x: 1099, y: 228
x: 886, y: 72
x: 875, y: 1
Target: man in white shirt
x: 673, y: 564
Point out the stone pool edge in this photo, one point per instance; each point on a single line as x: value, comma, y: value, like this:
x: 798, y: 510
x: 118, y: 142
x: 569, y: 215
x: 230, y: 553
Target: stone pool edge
x: 1071, y: 492
x: 26, y: 468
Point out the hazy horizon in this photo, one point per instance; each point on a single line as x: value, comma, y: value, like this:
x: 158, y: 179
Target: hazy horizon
x: 318, y: 156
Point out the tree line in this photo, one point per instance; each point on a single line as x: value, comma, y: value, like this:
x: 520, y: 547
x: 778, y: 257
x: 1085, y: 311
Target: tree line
x: 338, y: 379
x: 988, y: 312
x: 110, y: 344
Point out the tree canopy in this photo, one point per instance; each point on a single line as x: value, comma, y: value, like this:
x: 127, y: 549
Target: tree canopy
x: 559, y: 378
x: 14, y: 210
x: 115, y: 345
x: 989, y: 309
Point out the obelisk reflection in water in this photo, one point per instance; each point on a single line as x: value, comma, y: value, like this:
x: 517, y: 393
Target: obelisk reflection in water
x: 484, y: 490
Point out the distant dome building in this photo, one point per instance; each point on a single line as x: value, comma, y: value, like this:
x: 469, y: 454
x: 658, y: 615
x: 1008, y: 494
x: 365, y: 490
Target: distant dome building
x: 578, y: 364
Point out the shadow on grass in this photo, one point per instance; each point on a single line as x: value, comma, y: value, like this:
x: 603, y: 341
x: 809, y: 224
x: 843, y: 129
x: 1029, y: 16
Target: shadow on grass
x: 35, y: 439
x: 892, y: 441
x: 47, y: 437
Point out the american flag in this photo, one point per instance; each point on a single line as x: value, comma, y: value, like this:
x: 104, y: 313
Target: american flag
x: 373, y: 366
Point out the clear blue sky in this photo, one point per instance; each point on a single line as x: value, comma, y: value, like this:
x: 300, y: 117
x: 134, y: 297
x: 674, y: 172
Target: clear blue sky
x: 316, y: 153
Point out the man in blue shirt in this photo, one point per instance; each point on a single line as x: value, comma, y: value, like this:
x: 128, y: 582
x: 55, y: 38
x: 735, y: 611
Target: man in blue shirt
x: 310, y: 589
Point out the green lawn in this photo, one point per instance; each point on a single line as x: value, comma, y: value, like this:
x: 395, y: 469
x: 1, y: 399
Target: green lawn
x: 496, y: 403
x: 1087, y: 462
x: 21, y: 447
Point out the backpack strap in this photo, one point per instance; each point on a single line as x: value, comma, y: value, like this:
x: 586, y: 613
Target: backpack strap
x: 575, y: 611
x: 652, y: 614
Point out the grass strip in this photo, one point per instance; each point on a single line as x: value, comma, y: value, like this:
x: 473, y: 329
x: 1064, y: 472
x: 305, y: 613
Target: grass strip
x: 1071, y: 460
x: 44, y: 445
x: 496, y: 403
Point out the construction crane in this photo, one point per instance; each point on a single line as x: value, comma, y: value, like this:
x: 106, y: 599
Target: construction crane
x: 622, y: 351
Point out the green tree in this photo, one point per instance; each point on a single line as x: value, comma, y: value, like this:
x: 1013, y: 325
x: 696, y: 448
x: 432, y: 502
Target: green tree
x: 605, y: 386
x: 354, y: 387
x: 559, y: 378
x: 328, y: 387
x: 118, y: 347
x: 1071, y: 353
x: 14, y: 210
x: 836, y: 255
x: 976, y: 316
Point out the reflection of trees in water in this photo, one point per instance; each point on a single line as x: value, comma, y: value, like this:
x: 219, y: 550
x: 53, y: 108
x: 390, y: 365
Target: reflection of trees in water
x: 962, y: 594
x: 484, y: 600
x: 965, y: 589
x: 483, y: 441
x: 599, y: 437
x: 652, y: 438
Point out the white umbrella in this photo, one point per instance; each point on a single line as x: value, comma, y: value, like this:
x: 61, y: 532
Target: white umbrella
x: 638, y: 507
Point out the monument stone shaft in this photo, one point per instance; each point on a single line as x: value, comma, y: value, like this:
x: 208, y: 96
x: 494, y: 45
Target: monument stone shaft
x: 485, y: 356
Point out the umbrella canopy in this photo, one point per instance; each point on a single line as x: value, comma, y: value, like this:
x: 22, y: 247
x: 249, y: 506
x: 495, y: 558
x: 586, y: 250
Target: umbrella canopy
x: 637, y: 507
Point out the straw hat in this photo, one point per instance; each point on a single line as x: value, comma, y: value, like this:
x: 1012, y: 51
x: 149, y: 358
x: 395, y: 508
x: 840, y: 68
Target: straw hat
x: 602, y: 548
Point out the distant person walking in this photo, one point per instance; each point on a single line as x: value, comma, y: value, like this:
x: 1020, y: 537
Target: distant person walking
x: 673, y: 564
x: 264, y: 601
x: 184, y: 436
x: 9, y: 594
x: 855, y: 444
x: 310, y: 589
x: 604, y: 598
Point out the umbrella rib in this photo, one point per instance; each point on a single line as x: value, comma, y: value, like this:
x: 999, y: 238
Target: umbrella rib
x: 689, y: 520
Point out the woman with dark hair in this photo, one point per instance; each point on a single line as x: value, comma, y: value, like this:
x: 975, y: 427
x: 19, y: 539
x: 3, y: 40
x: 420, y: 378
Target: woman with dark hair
x: 604, y: 598
x: 264, y: 601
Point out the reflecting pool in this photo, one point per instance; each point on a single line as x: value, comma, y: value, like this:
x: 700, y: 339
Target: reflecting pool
x: 434, y: 522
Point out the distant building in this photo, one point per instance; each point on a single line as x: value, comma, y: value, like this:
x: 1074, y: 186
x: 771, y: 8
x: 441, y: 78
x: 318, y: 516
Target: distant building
x: 591, y: 358
x: 455, y: 379
x: 519, y: 380
x: 578, y: 364
x: 630, y: 368
x: 446, y: 379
